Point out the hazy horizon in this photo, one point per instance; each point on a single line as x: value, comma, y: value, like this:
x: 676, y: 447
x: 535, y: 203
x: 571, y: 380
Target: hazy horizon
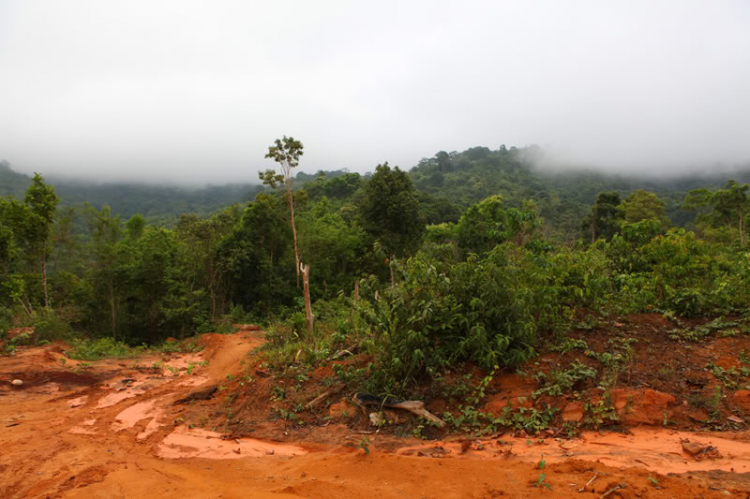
x: 191, y: 92
x: 543, y: 166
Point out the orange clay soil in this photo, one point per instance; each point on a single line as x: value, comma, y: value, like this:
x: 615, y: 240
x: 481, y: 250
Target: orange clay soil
x: 112, y: 430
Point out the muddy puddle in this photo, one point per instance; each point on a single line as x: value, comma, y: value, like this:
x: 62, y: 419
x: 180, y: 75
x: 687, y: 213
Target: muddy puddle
x: 138, y: 384
x: 120, y: 394
x: 134, y: 414
x: 186, y: 443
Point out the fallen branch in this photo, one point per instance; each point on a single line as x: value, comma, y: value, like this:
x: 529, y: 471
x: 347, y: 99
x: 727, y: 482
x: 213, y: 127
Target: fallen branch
x: 320, y: 398
x: 413, y: 406
x: 612, y: 491
x: 583, y: 489
x: 417, y: 407
x: 348, y: 350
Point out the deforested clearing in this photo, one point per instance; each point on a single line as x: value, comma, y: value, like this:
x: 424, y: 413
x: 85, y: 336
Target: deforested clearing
x: 374, y: 249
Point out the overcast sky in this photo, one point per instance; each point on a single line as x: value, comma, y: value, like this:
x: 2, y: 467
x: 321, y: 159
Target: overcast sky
x: 196, y: 91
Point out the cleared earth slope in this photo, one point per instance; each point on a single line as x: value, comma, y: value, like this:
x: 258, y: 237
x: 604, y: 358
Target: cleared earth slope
x: 113, y: 429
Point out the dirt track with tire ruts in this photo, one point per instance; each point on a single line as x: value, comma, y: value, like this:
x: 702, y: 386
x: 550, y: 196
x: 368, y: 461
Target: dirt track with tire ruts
x: 112, y: 429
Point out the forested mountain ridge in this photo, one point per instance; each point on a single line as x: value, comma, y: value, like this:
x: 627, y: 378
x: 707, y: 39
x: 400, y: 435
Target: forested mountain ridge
x: 12, y: 183
x: 448, y: 183
x: 159, y: 204
x: 563, y: 196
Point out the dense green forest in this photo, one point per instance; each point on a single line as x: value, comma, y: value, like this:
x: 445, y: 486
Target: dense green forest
x: 563, y: 196
x: 469, y: 256
x: 447, y: 184
x: 161, y: 205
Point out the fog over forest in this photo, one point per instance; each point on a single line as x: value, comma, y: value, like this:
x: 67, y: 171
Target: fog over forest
x: 194, y: 92
x: 465, y: 247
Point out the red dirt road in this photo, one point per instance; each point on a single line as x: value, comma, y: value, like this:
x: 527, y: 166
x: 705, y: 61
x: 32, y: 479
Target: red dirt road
x: 111, y: 430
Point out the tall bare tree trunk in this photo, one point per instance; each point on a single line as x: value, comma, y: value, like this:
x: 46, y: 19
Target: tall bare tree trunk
x: 306, y: 291
x: 356, y: 290
x: 294, y: 227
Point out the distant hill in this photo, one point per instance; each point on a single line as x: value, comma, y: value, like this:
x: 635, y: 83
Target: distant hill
x: 12, y: 183
x: 449, y: 183
x: 563, y: 197
x: 159, y: 204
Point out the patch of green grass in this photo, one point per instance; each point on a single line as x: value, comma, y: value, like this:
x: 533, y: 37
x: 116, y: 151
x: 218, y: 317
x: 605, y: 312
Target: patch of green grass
x: 176, y: 347
x: 89, y: 349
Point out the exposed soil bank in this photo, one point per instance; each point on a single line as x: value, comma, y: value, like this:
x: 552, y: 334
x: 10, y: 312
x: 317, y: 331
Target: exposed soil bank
x: 75, y: 434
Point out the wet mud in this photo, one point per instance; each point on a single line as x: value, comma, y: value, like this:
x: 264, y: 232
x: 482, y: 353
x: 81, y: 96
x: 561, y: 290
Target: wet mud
x: 115, y: 431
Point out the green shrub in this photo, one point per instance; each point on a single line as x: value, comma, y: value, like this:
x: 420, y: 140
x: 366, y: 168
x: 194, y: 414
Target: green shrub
x: 23, y: 339
x: 559, y: 382
x: 486, y: 310
x: 51, y: 327
x: 583, y: 276
x: 238, y: 314
x: 5, y: 322
x: 90, y: 349
x: 224, y: 326
x: 675, y: 271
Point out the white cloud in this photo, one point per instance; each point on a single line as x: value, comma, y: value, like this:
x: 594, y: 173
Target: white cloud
x: 196, y: 91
